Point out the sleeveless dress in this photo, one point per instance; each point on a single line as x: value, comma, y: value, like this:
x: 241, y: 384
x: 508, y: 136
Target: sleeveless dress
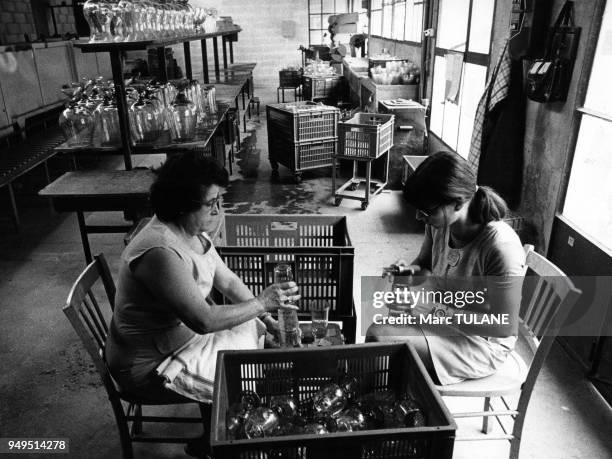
x: 147, y: 339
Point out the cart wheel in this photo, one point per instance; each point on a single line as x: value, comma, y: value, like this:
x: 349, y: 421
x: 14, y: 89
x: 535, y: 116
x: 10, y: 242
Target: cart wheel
x: 337, y: 201
x: 364, y: 205
x: 297, y: 178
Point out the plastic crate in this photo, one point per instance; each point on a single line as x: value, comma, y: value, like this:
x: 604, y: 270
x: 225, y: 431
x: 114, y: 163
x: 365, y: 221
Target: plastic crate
x: 365, y: 135
x: 300, y: 156
x: 321, y: 87
x: 317, y: 247
x: 290, y: 78
x: 303, y: 121
x: 301, y: 373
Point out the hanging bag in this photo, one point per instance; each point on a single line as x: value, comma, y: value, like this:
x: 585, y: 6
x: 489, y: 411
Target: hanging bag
x: 548, y: 79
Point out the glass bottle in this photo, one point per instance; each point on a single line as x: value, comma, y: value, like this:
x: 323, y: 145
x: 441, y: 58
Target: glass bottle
x: 98, y: 15
x: 77, y: 124
x: 284, y: 405
x: 261, y: 422
x: 126, y: 10
x: 107, y: 121
x: 350, y: 420
x: 145, y: 121
x: 287, y: 319
x: 331, y: 399
x: 182, y: 118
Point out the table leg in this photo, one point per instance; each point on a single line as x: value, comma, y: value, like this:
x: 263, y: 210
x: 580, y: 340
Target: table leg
x: 122, y: 111
x: 231, y: 50
x: 216, y: 56
x: 187, y: 51
x: 16, y: 221
x: 84, y: 238
x: 205, y: 61
x: 224, y: 43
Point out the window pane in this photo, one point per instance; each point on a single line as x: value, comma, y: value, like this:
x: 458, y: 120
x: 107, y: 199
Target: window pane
x: 315, y: 21
x: 588, y: 203
x: 599, y: 95
x: 376, y: 23
x: 399, y: 13
x: 342, y: 6
x: 437, y: 99
x: 472, y: 86
x: 414, y: 22
x: 480, y: 26
x: 314, y: 6
x: 316, y: 37
x: 387, y: 20
x: 452, y: 25
x: 376, y: 4
x: 450, y: 125
x: 328, y: 6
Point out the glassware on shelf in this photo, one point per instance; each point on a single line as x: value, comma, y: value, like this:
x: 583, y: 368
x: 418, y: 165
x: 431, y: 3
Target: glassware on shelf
x: 98, y: 14
x: 287, y: 319
x: 77, y: 124
x: 107, y: 121
x: 145, y: 121
x: 127, y: 12
x: 182, y: 118
x: 210, y: 22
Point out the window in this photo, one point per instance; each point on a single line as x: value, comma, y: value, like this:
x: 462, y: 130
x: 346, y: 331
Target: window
x: 320, y: 10
x: 464, y: 42
x: 588, y: 202
x: 397, y: 19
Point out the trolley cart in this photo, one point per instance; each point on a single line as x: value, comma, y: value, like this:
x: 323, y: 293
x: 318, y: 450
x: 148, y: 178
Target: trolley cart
x: 351, y: 188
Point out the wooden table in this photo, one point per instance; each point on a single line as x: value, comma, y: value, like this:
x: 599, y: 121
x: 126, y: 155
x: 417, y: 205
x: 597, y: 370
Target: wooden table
x: 87, y: 191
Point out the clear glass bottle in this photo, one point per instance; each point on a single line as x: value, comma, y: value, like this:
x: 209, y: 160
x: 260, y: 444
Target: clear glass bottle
x: 107, y: 121
x: 98, y: 15
x: 350, y: 420
x: 145, y: 121
x: 182, y: 118
x: 331, y: 399
x: 287, y: 319
x: 261, y: 422
x: 77, y: 124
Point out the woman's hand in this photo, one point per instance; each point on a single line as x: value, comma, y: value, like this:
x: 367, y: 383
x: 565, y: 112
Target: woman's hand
x: 276, y: 296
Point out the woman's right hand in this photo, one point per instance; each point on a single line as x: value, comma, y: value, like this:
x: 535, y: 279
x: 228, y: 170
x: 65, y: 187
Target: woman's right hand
x: 276, y: 296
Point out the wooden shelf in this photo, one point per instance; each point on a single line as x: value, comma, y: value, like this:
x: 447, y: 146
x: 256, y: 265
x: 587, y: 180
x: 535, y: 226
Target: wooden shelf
x: 147, y: 44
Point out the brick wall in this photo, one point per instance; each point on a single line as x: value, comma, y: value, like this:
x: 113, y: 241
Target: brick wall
x: 64, y: 17
x: 15, y: 20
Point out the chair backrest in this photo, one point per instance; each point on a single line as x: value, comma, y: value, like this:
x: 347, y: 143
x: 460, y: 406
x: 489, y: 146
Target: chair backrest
x: 545, y: 310
x: 85, y: 313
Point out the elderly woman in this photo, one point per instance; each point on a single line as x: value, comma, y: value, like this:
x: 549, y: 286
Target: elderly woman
x: 164, y: 334
x: 467, y: 248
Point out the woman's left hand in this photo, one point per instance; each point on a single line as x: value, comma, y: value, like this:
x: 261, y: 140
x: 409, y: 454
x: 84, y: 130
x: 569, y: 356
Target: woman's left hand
x: 272, y: 326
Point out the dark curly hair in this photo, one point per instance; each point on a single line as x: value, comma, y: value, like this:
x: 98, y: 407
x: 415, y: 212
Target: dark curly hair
x: 177, y: 189
x: 447, y: 178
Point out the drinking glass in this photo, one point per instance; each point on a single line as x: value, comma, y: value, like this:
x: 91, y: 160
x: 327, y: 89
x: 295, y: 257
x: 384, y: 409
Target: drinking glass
x: 319, y: 314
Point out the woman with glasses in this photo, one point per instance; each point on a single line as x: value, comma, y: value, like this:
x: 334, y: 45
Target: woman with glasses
x: 164, y: 334
x: 473, y: 263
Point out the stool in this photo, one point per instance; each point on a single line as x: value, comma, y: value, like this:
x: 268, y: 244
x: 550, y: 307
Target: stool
x: 297, y: 93
x: 255, y: 101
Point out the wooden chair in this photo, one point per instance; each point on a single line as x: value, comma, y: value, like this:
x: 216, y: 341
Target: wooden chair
x: 90, y: 322
x: 545, y: 311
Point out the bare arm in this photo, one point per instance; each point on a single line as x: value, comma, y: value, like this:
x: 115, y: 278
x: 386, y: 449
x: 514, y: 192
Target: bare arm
x: 167, y: 277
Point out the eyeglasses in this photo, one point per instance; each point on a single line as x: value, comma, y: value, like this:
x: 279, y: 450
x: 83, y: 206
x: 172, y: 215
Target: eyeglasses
x: 424, y: 214
x: 210, y: 204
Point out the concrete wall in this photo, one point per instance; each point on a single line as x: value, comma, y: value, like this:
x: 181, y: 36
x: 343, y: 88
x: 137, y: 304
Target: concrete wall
x: 15, y: 20
x: 261, y: 40
x: 550, y: 134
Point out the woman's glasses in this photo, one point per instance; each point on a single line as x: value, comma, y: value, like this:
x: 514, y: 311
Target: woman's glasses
x: 424, y: 214
x: 211, y: 204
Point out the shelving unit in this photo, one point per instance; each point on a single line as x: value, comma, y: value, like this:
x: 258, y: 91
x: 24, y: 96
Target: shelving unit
x: 115, y: 50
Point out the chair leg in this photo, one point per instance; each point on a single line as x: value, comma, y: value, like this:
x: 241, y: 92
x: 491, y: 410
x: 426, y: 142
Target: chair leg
x: 205, y: 412
x: 486, y: 425
x: 137, y: 424
x: 124, y: 432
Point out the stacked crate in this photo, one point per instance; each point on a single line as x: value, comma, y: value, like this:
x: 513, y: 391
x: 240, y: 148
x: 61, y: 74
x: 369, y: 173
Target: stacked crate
x: 301, y: 136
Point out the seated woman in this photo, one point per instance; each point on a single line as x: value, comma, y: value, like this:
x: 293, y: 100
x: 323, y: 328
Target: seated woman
x: 167, y: 272
x: 467, y: 247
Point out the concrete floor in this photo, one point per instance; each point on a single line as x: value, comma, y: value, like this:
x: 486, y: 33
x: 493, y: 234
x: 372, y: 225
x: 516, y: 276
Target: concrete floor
x: 49, y: 388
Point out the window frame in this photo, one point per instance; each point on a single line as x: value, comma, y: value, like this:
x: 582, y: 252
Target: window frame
x: 469, y: 57
x: 323, y: 15
x: 580, y: 111
x: 393, y: 15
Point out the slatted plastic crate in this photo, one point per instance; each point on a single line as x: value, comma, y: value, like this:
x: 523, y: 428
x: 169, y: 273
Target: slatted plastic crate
x: 317, y: 247
x: 300, y: 373
x: 326, y: 87
x: 365, y: 135
x: 303, y: 121
x: 290, y: 78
